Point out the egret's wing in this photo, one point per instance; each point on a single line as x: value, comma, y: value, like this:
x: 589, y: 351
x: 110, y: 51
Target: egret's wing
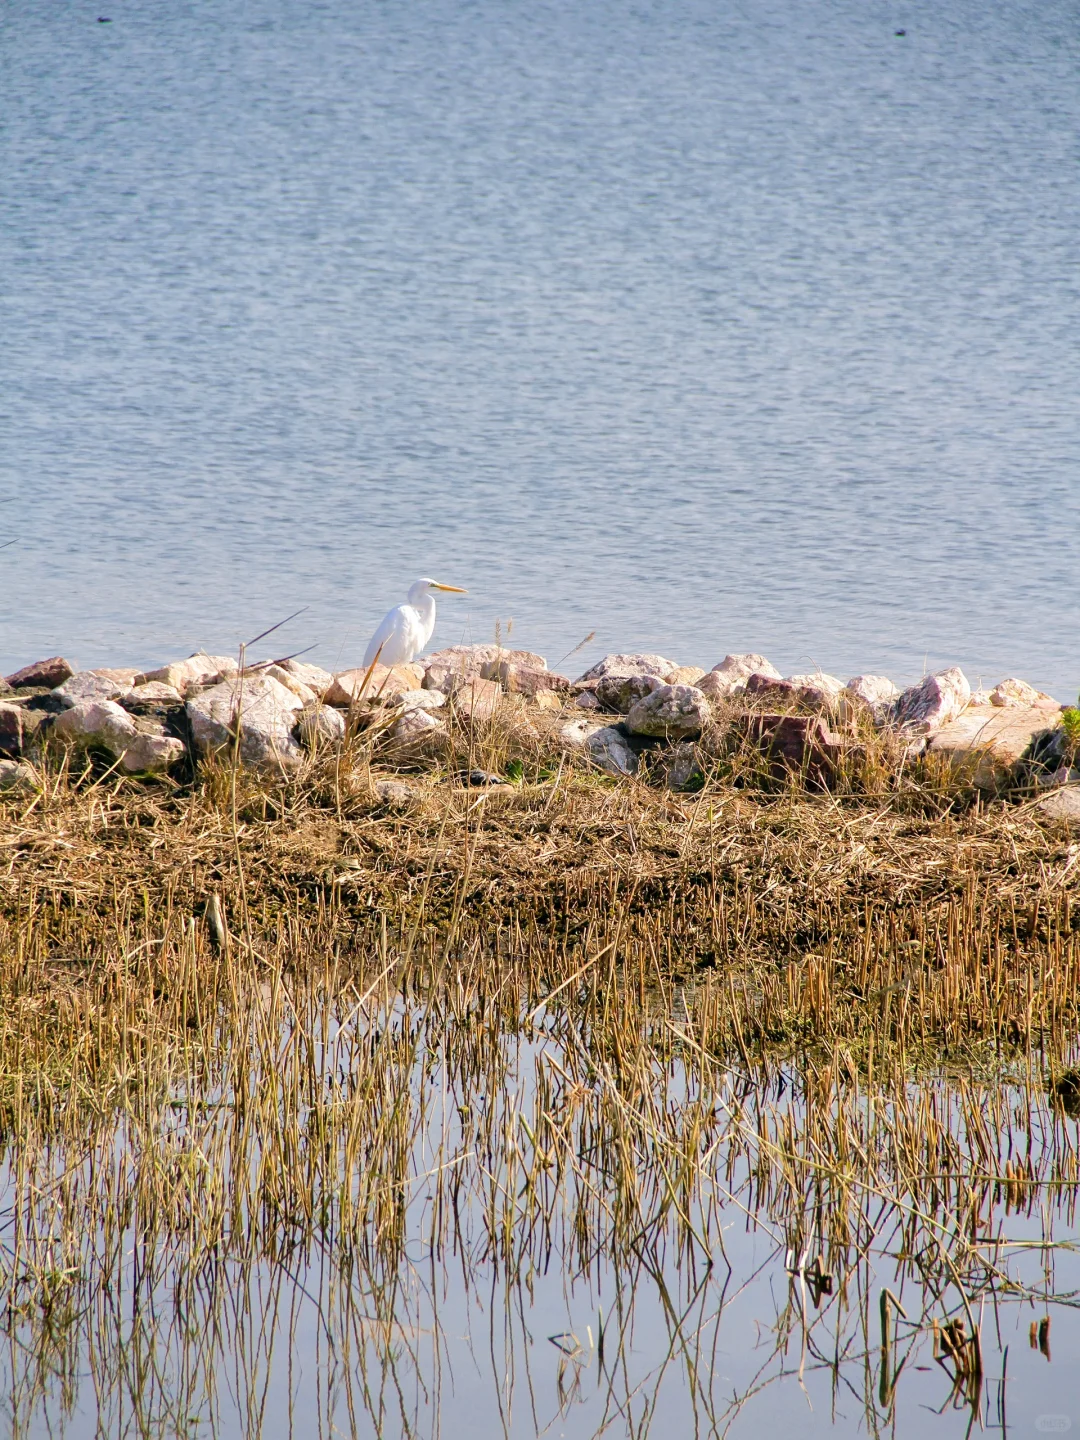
x: 388, y: 634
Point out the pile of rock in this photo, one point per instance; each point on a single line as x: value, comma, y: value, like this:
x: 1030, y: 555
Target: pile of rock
x: 273, y: 714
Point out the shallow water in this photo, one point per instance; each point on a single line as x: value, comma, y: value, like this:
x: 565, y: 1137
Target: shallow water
x: 475, y: 1303
x: 701, y: 327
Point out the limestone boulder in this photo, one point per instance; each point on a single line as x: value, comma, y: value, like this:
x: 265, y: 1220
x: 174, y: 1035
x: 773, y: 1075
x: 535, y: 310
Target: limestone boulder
x: 96, y: 724
x: 992, y: 740
x: 517, y: 679
x: 303, y: 692
x: 876, y: 691
x: 18, y: 779
x: 423, y: 700
x: 197, y: 672
x: 605, y: 746
x: 313, y: 676
x: 586, y: 700
x: 476, y: 699
x: 16, y: 727
x: 152, y: 754
x: 927, y: 707
x: 635, y: 664
x: 817, y: 689
x: 87, y: 685
x: 618, y: 692
x: 1013, y: 694
x: 731, y: 675
x: 444, y: 669
x: 673, y: 712
x: 151, y: 693
x: 254, y: 709
x: 320, y: 725
x: 385, y: 686
x: 685, y: 675
x: 46, y: 673
x: 1062, y: 805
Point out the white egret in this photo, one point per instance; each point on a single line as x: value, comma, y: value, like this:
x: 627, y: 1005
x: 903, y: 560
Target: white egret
x: 404, y: 631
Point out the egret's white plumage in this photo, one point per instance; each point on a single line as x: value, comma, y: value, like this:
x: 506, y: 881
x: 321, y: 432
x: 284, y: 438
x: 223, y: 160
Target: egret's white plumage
x: 404, y: 631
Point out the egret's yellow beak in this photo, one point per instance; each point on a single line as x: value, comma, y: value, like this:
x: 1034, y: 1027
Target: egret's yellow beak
x: 455, y: 589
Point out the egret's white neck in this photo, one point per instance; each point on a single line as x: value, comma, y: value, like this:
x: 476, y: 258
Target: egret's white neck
x: 425, y: 608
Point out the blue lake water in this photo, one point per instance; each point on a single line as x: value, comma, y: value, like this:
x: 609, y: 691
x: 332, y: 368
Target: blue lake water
x: 705, y: 327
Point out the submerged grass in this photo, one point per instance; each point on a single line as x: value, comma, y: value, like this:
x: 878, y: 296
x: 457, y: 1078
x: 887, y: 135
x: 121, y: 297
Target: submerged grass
x: 259, y: 1029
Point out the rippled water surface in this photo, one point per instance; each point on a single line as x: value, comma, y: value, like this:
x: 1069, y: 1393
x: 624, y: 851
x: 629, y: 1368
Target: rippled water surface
x: 702, y: 326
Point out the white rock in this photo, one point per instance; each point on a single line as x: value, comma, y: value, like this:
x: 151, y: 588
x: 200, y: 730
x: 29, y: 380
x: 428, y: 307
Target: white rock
x: 422, y: 700
x: 675, y: 712
x: 263, y: 709
x: 990, y: 741
x: 818, y: 689
x: 88, y: 685
x: 575, y: 732
x: 609, y: 749
x: 605, y: 745
x: 198, y: 671
x: 384, y: 686
x: 730, y: 676
x: 321, y: 725
x: 617, y: 691
x: 417, y: 725
x: 446, y: 668
x: 1011, y: 694
x: 303, y: 692
x: 152, y: 754
x: 924, y: 708
x: 631, y: 665
x: 99, y: 723
x: 314, y: 676
x: 153, y: 692
x: 873, y: 690
x: 18, y: 778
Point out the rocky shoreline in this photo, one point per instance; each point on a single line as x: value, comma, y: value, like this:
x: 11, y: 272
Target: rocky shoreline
x: 276, y: 714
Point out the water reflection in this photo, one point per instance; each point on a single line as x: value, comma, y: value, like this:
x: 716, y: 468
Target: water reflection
x: 407, y: 1218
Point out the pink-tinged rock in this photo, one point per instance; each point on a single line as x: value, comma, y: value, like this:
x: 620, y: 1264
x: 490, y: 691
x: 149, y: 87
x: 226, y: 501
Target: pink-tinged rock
x: 730, y: 677
x: 257, y: 708
x: 924, y: 708
x: 797, y: 743
x: 101, y: 724
x: 477, y: 699
x: 197, y: 672
x: 517, y: 679
x: 636, y: 664
x: 50, y: 673
x: 770, y: 687
x: 674, y: 712
x: 587, y: 700
x: 991, y: 740
x: 386, y: 685
x: 1013, y: 694
x: 152, y: 754
x: 14, y: 730
x: 88, y: 685
x: 618, y: 692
